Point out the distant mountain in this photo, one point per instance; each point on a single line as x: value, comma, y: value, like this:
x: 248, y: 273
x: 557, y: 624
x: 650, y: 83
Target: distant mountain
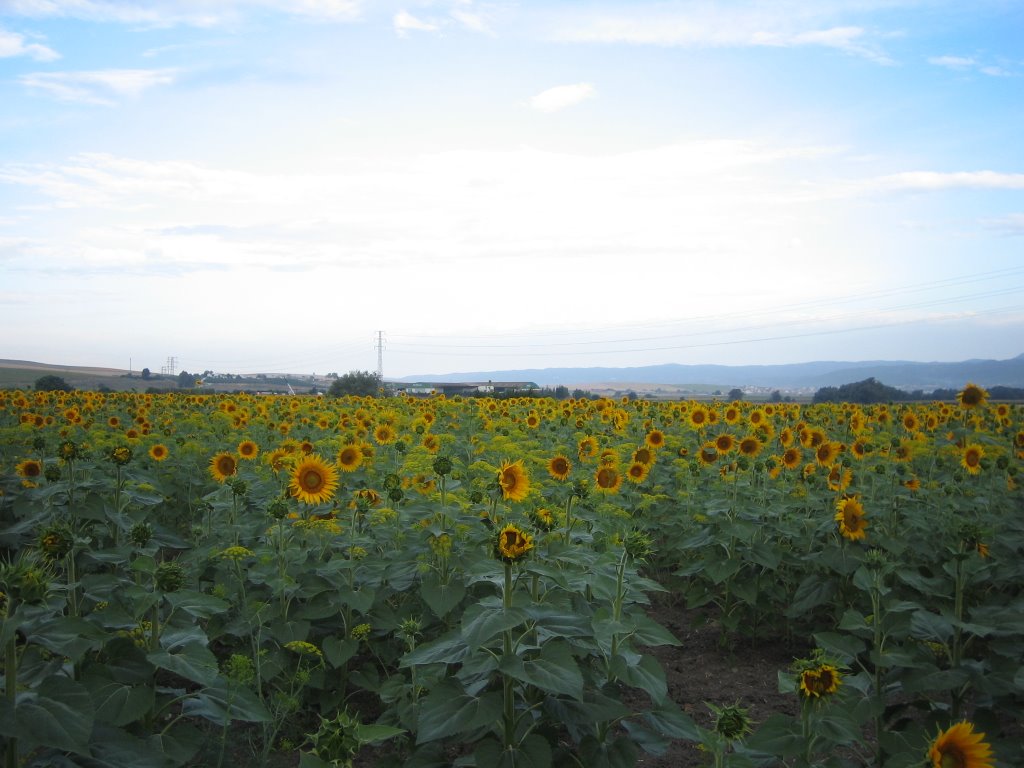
x: 896, y: 373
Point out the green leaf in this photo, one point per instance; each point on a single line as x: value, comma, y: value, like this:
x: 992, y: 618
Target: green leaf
x: 483, y: 623
x: 447, y: 649
x: 671, y: 721
x: 720, y: 570
x: 117, y: 703
x: 646, y: 674
x: 442, y: 598
x: 555, y: 671
x: 338, y: 650
x: 116, y: 748
x: 931, y: 626
x: 448, y: 710
x: 813, y: 591
x: 197, y: 604
x: 193, y: 662
x: 58, y: 714
x: 650, y: 632
x: 370, y: 734
x: 843, y: 645
x: 68, y: 636
x: 223, y: 703
x: 779, y: 735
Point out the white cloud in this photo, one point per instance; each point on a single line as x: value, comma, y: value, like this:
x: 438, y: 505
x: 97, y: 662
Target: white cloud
x: 933, y: 180
x: 968, y: 64
x: 562, y: 96
x: 12, y: 44
x: 404, y: 22
x: 167, y: 13
x: 704, y: 24
x: 471, y: 21
x: 98, y: 86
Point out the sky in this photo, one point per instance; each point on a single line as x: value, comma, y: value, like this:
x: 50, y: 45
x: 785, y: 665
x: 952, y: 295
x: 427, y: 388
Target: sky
x: 279, y: 185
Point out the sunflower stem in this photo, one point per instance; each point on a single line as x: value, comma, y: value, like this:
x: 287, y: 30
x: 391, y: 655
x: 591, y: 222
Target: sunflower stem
x: 11, y: 686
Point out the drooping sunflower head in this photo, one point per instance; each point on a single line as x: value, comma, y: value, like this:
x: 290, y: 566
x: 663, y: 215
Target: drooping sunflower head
x: 513, y: 480
x: 223, y: 466
x: 972, y: 396
x: 822, y: 680
x: 850, y: 516
x: 512, y: 543
x: 960, y: 747
x: 559, y: 467
x: 313, y: 481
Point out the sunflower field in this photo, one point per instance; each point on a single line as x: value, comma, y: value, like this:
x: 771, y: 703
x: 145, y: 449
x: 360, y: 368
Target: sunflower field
x: 209, y: 580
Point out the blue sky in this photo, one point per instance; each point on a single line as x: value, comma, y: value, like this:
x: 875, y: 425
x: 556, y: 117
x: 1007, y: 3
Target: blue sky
x: 262, y: 185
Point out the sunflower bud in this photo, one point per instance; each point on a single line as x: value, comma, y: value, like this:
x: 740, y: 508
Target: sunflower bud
x: 141, y: 533
x: 732, y: 722
x: 442, y: 465
x: 169, y: 577
x: 56, y: 541
x: 120, y: 455
x: 52, y: 473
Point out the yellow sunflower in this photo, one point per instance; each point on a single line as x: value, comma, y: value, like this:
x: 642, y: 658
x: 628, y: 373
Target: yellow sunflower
x: 972, y: 396
x: 826, y: 453
x: 708, y: 454
x: 638, y: 472
x: 644, y: 455
x: 750, y: 446
x: 698, y: 417
x: 792, y: 457
x: 514, y: 482
x: 559, y: 467
x: 313, y: 481
x: 960, y: 747
x: 607, y: 479
x: 512, y: 543
x: 655, y: 439
x: 384, y: 434
x: 850, y: 516
x: 725, y: 443
x: 349, y: 458
x: 248, y: 450
x: 158, y: 452
x: 587, y: 447
x: 971, y: 458
x: 223, y: 466
x: 29, y: 469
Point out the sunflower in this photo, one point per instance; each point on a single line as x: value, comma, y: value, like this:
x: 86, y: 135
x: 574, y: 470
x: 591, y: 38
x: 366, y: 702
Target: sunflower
x: 839, y: 478
x: 158, y: 452
x: 698, y: 417
x: 860, y: 448
x: 792, y: 457
x: 384, y: 434
x: 512, y: 543
x: 971, y: 458
x: 29, y: 468
x: 313, y: 481
x: 972, y: 396
x: 607, y: 479
x: 655, y: 439
x: 638, y: 472
x: 826, y: 453
x: 432, y: 443
x: 644, y: 455
x: 820, y: 681
x: 278, y: 459
x: 559, y: 467
x: 514, y: 482
x: 850, y: 516
x: 248, y: 450
x: 750, y: 446
x: 223, y: 466
x: 960, y: 747
x: 349, y: 458
x: 725, y: 443
x: 587, y: 447
x: 732, y: 414
x: 708, y: 454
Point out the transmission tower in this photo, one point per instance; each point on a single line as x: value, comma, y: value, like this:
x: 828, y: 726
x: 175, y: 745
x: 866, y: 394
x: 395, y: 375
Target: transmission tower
x: 172, y: 363
x: 380, y: 361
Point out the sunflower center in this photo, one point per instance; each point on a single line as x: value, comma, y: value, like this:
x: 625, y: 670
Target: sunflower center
x: 311, y: 480
x: 952, y: 759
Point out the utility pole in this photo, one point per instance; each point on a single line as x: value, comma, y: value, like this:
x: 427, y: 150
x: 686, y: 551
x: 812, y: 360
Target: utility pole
x: 380, y: 362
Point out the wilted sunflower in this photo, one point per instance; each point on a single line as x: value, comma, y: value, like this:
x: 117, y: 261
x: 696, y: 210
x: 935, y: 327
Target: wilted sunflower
x: 512, y: 543
x: 819, y: 681
x: 971, y: 458
x: 313, y: 481
x: 349, y: 458
x: 972, y: 396
x: 850, y: 517
x: 158, y: 452
x: 559, y: 467
x: 607, y: 480
x: 514, y: 482
x: 223, y: 466
x: 960, y: 747
x: 248, y: 450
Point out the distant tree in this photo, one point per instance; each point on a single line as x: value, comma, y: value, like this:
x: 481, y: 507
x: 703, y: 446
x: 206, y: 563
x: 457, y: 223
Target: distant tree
x: 146, y: 373
x: 775, y: 396
x: 561, y: 392
x: 51, y: 383
x: 735, y: 394
x: 186, y: 380
x: 862, y: 392
x: 355, y: 383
